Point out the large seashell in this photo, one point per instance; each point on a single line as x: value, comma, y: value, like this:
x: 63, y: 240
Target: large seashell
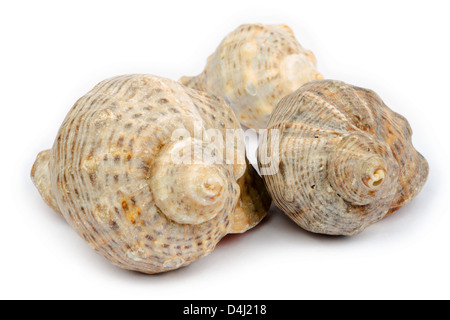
x: 345, y: 159
x: 111, y: 174
x: 253, y: 68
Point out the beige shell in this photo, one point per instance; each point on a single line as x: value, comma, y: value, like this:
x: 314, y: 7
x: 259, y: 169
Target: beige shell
x: 253, y: 68
x: 345, y: 159
x: 111, y: 174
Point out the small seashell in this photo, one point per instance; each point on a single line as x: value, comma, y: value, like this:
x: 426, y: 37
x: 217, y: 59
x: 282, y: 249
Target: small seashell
x: 111, y: 174
x: 345, y: 159
x: 253, y: 68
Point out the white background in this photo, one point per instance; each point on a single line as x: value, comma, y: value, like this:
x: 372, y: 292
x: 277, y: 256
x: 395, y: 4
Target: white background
x: 53, y: 52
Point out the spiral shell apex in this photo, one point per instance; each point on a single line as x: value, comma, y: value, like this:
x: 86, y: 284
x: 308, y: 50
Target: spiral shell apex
x: 345, y: 160
x: 253, y: 68
x: 111, y: 174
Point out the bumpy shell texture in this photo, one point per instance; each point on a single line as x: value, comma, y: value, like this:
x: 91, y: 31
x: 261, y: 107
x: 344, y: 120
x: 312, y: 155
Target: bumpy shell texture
x: 253, y: 68
x: 345, y: 159
x: 111, y: 175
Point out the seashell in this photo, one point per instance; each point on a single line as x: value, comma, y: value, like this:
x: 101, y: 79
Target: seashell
x: 253, y: 68
x: 111, y: 174
x: 345, y: 159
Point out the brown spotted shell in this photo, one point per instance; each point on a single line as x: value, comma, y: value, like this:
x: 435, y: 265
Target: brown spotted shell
x: 345, y: 160
x: 111, y: 174
x: 253, y: 68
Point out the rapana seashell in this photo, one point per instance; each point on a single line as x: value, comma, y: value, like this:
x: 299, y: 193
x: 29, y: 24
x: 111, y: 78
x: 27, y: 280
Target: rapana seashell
x: 345, y: 159
x: 253, y: 68
x: 111, y: 174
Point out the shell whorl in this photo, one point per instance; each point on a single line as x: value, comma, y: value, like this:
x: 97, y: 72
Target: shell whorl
x: 253, y: 68
x: 345, y: 159
x: 200, y: 189
x: 111, y: 175
x: 362, y: 171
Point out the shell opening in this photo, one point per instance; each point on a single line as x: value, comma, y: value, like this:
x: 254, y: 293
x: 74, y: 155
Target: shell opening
x: 212, y: 187
x: 376, y: 179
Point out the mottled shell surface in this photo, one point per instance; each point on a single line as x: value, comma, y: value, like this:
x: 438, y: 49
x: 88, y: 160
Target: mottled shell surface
x: 345, y: 159
x: 253, y: 68
x: 111, y: 176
